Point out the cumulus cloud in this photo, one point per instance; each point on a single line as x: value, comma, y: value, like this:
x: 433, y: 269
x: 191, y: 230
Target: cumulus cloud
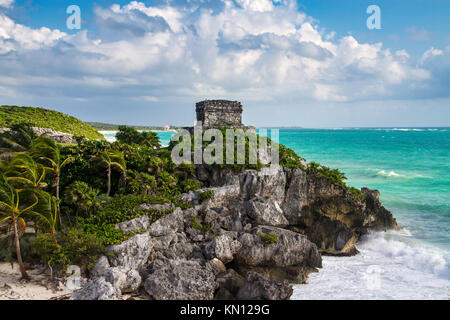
x: 243, y: 49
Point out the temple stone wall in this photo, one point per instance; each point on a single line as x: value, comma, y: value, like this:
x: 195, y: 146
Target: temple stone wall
x: 219, y: 113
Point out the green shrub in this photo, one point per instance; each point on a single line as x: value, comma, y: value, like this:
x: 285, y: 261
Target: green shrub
x: 268, y: 238
x: 205, y: 196
x: 358, y: 193
x: 68, y: 247
x: 130, y: 135
x: 123, y: 208
x: 190, y: 185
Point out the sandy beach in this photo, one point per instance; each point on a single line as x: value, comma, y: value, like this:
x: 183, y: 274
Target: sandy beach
x: 39, y: 288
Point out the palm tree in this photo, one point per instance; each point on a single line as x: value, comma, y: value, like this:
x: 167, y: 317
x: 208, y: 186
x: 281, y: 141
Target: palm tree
x: 81, y: 195
x: 12, y: 209
x: 23, y: 172
x: 112, y: 159
x: 47, y: 151
x: 46, y: 213
x: 17, y: 139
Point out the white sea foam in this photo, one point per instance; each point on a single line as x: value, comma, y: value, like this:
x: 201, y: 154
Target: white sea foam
x: 390, y: 265
x: 395, y: 174
x: 388, y: 174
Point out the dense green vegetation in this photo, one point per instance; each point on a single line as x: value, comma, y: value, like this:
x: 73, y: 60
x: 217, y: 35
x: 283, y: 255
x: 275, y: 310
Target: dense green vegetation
x: 74, y: 195
x: 43, y: 118
x: 336, y: 176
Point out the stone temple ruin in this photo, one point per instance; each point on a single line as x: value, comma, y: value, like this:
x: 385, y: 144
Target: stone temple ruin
x: 220, y: 114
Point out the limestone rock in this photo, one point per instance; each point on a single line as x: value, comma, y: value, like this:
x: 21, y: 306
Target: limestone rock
x: 57, y: 136
x: 125, y: 280
x: 259, y: 287
x: 132, y: 253
x: 175, y: 279
x: 137, y: 224
x: 97, y: 289
x: 170, y: 223
x: 289, y: 249
x: 157, y: 207
x: 216, y: 266
x: 100, y: 266
x: 223, y: 248
x: 268, y: 183
x: 266, y: 212
x: 230, y: 282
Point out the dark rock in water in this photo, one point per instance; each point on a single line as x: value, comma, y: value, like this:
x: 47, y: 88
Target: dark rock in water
x: 330, y: 215
x: 174, y: 279
x: 259, y: 287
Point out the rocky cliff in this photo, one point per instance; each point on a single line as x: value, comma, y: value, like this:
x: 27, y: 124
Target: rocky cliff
x: 256, y: 234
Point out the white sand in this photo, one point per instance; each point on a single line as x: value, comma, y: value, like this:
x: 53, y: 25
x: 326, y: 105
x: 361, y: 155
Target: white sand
x: 39, y: 288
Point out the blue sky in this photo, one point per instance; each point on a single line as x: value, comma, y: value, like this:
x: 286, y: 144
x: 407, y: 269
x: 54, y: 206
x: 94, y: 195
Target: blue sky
x: 311, y: 63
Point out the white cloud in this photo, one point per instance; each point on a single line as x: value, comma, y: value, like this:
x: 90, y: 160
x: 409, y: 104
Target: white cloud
x: 6, y: 3
x: 251, y: 50
x: 430, y: 53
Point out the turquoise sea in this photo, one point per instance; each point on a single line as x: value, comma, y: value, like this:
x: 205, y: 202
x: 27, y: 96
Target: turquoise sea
x: 411, y: 169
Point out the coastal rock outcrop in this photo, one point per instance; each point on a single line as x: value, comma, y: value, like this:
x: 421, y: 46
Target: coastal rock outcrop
x: 245, y: 240
x: 330, y: 215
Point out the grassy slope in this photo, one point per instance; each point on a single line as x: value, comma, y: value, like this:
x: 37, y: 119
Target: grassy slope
x: 44, y: 118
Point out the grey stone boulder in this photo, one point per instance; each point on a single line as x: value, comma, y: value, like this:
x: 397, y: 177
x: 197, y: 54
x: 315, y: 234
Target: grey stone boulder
x: 216, y: 266
x: 157, y: 207
x: 56, y: 136
x: 137, y: 224
x: 176, y: 279
x: 267, y: 183
x: 97, y: 289
x: 222, y: 196
x: 259, y: 287
x: 173, y: 222
x: 99, y: 268
x: 229, y: 283
x: 290, y: 248
x: 266, y: 212
x: 223, y: 248
x: 132, y: 253
x: 216, y: 177
x: 125, y: 280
